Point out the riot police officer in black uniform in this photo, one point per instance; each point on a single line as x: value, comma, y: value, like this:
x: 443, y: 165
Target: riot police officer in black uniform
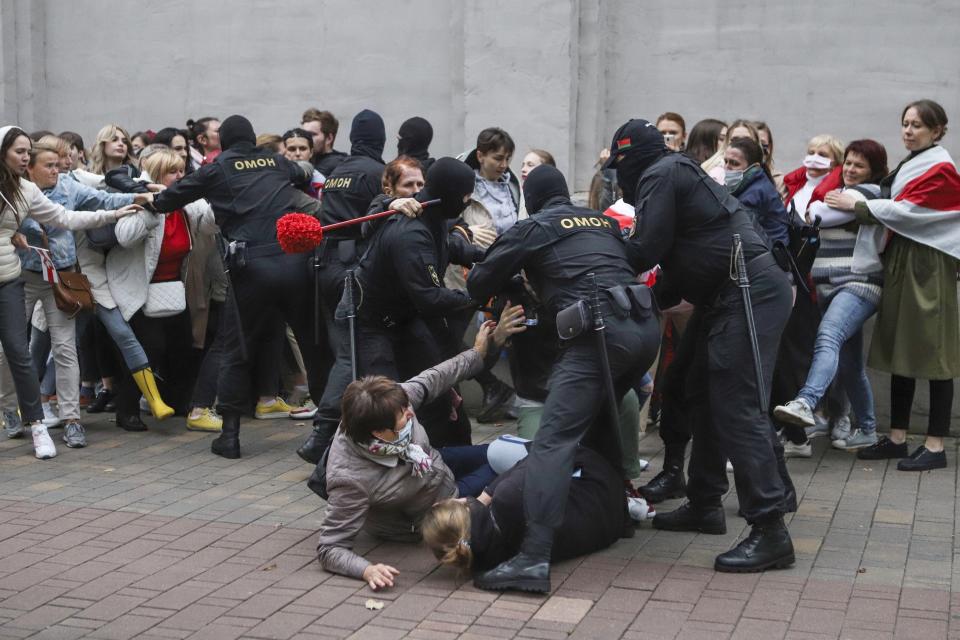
x: 557, y: 247
x: 347, y: 194
x: 403, y: 302
x: 249, y: 189
x: 685, y: 222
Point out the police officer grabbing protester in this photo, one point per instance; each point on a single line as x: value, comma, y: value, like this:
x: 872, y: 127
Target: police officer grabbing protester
x: 249, y: 189
x: 686, y: 223
x: 567, y: 253
x: 347, y: 194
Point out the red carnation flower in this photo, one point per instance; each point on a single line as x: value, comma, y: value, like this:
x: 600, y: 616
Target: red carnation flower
x: 298, y: 232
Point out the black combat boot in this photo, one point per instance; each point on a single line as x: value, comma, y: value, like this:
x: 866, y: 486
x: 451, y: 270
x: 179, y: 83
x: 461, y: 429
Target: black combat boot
x: 319, y: 439
x: 227, y: 445
x: 669, y: 483
x: 767, y: 546
x: 522, y: 572
x: 688, y: 517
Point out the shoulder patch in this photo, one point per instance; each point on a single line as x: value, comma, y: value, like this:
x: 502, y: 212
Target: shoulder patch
x: 433, y: 274
x: 565, y: 224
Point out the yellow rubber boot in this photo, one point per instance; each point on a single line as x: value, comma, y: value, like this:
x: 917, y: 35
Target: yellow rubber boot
x: 148, y: 387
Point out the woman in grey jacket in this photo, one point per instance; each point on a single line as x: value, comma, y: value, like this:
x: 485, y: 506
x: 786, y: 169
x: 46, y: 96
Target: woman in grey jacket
x: 383, y: 480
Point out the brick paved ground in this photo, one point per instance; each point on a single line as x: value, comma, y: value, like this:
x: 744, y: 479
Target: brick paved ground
x: 150, y: 536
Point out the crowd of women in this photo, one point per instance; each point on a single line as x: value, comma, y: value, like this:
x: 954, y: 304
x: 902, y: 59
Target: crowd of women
x: 138, y: 332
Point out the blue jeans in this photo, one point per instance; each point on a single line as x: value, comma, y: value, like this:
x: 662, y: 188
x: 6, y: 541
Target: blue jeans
x: 133, y: 354
x: 839, y: 351
x: 469, y: 467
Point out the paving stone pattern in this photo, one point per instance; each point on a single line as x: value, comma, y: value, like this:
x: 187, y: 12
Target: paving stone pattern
x: 150, y: 536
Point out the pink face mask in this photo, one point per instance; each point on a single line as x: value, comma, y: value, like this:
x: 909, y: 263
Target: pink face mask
x: 813, y: 161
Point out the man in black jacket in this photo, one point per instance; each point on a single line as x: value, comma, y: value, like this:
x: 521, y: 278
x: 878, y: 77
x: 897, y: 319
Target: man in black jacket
x: 685, y: 223
x: 402, y: 314
x: 557, y: 247
x: 414, y: 140
x: 249, y: 189
x: 347, y: 194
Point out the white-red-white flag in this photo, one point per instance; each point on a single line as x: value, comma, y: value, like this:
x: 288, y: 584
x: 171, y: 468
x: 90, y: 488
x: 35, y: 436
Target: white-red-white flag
x: 48, y: 270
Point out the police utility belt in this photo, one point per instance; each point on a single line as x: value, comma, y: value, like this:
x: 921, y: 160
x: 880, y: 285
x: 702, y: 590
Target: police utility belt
x: 238, y: 252
x: 623, y: 301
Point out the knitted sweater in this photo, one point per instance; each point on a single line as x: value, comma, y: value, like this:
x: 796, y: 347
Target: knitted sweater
x: 832, y: 268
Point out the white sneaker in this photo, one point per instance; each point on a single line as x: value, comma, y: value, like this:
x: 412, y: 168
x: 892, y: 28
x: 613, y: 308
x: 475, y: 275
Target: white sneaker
x: 144, y: 405
x: 796, y: 412
x: 42, y: 443
x: 841, y: 428
x: 821, y: 427
x: 50, y: 417
x: 644, y: 464
x: 791, y: 450
x: 639, y: 509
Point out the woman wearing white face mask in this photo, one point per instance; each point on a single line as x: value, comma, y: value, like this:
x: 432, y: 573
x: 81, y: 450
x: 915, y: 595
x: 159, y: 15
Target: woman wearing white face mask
x: 382, y: 474
x: 819, y: 174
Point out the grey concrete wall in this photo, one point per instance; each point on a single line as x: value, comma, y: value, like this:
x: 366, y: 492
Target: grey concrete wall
x: 557, y: 74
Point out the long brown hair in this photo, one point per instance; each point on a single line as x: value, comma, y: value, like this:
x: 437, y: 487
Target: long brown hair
x: 446, y: 531
x: 10, y: 181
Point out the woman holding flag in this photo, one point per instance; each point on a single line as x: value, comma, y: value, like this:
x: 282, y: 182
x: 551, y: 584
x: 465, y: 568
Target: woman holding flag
x: 20, y: 200
x: 917, y: 241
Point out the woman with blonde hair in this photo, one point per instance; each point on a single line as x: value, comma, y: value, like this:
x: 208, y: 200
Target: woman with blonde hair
x: 478, y: 534
x: 819, y: 174
x: 112, y: 149
x: 144, y: 274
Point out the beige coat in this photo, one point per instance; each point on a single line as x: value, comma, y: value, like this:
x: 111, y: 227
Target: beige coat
x: 37, y: 206
x: 380, y: 494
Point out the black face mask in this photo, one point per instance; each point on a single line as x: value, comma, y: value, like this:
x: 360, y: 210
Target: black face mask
x: 543, y: 184
x: 234, y: 130
x: 631, y: 168
x: 367, y: 135
x: 416, y: 134
x: 449, y: 180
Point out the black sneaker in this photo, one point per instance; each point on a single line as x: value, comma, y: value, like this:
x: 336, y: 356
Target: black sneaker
x: 923, y: 460
x: 885, y: 449
x: 497, y: 399
x: 99, y: 404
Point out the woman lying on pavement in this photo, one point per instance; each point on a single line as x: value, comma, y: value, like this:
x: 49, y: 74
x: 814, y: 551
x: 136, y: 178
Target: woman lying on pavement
x: 477, y: 534
x: 383, y: 475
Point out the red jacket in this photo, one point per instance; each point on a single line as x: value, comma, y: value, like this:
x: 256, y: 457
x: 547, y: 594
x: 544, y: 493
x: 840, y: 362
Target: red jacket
x: 795, y: 180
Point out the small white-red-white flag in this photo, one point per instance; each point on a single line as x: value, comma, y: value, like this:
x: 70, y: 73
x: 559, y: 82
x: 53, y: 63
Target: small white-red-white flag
x: 49, y: 271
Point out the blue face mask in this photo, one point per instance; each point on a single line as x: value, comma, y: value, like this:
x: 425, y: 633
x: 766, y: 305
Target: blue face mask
x: 732, y: 178
x: 405, y: 434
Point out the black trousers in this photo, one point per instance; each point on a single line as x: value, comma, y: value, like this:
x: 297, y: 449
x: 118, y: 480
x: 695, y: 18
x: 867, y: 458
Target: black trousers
x: 168, y: 343
x: 722, y: 396
x: 576, y: 397
x: 264, y: 287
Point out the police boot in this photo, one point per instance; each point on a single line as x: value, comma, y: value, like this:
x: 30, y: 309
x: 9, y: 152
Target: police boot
x: 227, y: 445
x: 496, y: 398
x: 317, y: 442
x: 667, y: 484
x: 767, y: 546
x: 688, y: 517
x: 522, y: 572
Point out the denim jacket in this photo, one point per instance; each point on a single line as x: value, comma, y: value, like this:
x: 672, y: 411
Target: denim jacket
x: 74, y: 196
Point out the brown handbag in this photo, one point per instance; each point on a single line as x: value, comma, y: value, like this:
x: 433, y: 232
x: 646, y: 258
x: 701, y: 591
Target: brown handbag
x: 73, y: 293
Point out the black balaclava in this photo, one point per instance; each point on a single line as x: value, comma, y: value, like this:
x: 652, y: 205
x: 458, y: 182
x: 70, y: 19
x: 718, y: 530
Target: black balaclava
x: 450, y: 180
x: 544, y: 184
x: 640, y: 144
x: 234, y: 130
x: 368, y: 135
x: 416, y: 134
